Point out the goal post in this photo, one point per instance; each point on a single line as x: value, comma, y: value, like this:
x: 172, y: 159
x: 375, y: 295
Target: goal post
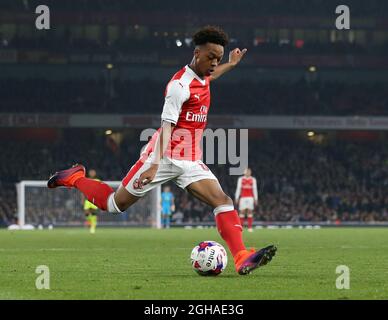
x: 39, y: 205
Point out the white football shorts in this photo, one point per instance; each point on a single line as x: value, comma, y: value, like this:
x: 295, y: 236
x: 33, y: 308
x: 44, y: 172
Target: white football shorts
x: 182, y: 172
x: 246, y: 203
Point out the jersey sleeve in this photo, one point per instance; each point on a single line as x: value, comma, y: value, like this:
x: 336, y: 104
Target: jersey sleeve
x: 176, y: 95
x: 254, y: 185
x: 238, y: 189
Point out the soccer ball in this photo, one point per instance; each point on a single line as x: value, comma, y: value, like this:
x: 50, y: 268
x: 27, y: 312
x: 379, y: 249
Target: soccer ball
x: 209, y: 258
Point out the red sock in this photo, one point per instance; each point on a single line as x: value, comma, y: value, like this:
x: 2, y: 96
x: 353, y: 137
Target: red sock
x: 228, y: 225
x: 242, y: 221
x: 250, y: 222
x: 96, y: 192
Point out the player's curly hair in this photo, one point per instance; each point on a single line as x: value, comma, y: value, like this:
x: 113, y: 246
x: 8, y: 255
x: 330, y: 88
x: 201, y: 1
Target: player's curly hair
x: 212, y: 34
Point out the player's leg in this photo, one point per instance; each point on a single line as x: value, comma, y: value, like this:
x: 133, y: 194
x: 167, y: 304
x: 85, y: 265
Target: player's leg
x: 122, y: 200
x: 241, y: 214
x: 244, y: 214
x: 97, y: 192
x: 103, y: 196
x: 168, y: 215
x: 228, y: 225
x: 87, y: 217
x: 164, y: 216
x: 93, y: 222
x: 90, y: 211
x: 250, y: 207
x: 250, y: 220
x: 130, y: 191
x: 163, y: 221
x: 243, y: 210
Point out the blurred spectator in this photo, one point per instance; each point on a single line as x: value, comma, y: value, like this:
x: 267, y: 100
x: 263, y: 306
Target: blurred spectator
x: 177, y: 217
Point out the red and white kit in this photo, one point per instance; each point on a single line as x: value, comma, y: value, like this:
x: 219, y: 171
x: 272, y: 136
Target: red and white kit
x: 246, y: 192
x: 187, y: 102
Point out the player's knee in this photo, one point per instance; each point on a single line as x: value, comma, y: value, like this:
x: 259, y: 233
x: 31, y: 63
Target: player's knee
x: 115, y: 204
x: 121, y: 204
x: 223, y: 199
x: 121, y: 200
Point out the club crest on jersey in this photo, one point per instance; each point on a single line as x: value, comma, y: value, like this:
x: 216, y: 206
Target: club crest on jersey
x: 197, y: 117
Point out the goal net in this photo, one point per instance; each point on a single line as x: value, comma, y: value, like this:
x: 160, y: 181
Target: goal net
x: 39, y: 205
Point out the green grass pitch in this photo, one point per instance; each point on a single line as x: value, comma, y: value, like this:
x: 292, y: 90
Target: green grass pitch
x: 154, y: 264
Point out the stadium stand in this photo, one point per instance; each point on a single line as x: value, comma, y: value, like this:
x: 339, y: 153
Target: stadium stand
x: 303, y: 181
x: 270, y: 98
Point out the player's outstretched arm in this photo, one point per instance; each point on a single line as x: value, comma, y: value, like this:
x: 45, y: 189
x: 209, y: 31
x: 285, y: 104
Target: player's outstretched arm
x: 235, y: 57
x: 238, y: 191
x: 160, y: 147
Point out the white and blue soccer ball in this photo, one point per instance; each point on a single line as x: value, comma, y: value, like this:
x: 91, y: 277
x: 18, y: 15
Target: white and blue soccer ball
x: 209, y: 258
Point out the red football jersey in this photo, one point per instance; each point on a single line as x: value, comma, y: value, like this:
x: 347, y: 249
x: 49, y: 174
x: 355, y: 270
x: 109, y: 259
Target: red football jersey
x: 187, y: 102
x: 246, y: 188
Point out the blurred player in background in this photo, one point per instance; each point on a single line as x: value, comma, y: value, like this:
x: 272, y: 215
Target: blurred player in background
x: 246, y: 197
x: 168, y: 206
x: 174, y: 152
x: 90, y: 209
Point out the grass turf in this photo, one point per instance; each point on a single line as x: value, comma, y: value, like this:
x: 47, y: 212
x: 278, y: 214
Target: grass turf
x: 154, y: 264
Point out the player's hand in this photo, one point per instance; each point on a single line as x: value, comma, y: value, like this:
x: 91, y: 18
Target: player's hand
x: 256, y: 203
x: 147, y: 176
x: 236, y: 55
